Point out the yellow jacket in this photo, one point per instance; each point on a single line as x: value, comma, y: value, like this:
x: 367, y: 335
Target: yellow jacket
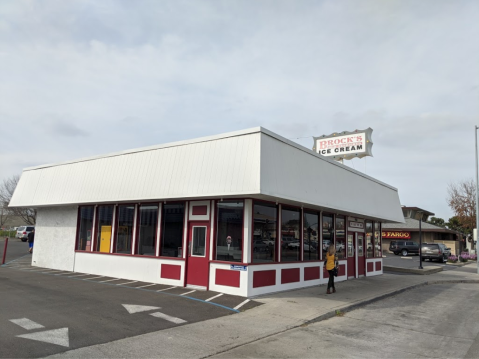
x: 330, y: 261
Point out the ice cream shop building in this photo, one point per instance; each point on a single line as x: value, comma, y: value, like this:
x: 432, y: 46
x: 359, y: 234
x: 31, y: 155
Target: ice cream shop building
x: 243, y: 213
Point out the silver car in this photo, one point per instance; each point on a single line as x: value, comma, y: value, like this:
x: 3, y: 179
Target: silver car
x: 22, y: 232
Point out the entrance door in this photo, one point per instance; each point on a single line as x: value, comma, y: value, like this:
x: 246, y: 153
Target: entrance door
x: 198, y: 250
x: 351, y: 256
x: 361, y: 258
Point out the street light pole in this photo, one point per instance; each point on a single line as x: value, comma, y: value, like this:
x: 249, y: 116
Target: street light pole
x: 477, y: 197
x: 420, y: 241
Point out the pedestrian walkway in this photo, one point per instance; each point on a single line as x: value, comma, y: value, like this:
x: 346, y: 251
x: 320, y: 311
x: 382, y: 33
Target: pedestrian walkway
x: 280, y: 312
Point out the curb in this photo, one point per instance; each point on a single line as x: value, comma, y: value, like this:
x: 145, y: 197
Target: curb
x: 425, y: 271
x: 363, y: 303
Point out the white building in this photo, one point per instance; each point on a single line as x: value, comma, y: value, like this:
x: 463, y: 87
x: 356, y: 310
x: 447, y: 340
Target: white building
x: 244, y: 213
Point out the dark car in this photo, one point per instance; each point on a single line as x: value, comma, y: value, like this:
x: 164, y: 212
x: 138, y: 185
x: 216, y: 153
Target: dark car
x: 435, y: 251
x: 404, y: 247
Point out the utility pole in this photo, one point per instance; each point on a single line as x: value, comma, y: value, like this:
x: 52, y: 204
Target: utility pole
x: 477, y: 197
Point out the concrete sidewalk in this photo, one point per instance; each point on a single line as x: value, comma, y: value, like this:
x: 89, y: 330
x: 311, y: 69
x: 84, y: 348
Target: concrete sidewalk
x: 280, y: 312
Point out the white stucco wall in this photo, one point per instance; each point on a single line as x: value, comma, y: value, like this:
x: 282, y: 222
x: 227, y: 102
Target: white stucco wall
x: 55, y: 232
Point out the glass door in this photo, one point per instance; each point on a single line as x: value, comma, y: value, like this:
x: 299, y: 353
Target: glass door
x: 351, y: 255
x: 361, y: 258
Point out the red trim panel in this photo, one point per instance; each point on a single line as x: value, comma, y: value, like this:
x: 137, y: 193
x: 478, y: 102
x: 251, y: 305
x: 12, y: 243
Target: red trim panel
x: 170, y: 271
x: 264, y: 278
x: 342, y: 270
x: 289, y: 275
x: 378, y: 265
x: 370, y: 267
x: 200, y: 210
x: 229, y: 278
x: 311, y: 273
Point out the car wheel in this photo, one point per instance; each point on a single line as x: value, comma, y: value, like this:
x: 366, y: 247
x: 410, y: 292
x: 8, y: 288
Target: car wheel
x: 444, y: 259
x: 404, y: 252
x: 24, y: 239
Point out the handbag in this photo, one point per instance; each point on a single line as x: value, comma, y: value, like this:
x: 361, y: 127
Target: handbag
x: 336, y: 269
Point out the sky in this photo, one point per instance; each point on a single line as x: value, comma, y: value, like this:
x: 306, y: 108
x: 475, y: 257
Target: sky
x: 84, y: 78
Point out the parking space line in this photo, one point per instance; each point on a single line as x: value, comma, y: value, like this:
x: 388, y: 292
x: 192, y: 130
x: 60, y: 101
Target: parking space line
x: 162, y: 290
x: 216, y: 296
x: 109, y: 280
x: 241, y: 304
x: 102, y: 276
x: 148, y: 285
x: 26, y: 323
x: 79, y: 275
x: 188, y: 292
x: 127, y: 282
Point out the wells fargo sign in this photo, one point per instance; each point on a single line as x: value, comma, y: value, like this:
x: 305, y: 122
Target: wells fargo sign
x: 345, y: 145
x: 397, y: 235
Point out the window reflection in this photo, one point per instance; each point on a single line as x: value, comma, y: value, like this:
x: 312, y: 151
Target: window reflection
x: 229, y: 233
x: 310, y: 234
x: 369, y: 240
x: 340, y: 238
x: 377, y: 240
x: 103, y: 236
x: 328, y: 232
x: 85, y: 228
x: 124, y: 233
x: 264, y: 233
x: 172, y: 230
x: 290, y: 234
x: 147, y: 231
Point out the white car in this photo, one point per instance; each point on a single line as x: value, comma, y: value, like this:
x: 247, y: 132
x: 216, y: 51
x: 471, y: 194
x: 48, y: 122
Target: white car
x: 22, y: 232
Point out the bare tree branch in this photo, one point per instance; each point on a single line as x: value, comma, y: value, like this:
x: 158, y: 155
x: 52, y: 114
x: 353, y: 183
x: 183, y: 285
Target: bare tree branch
x: 462, y: 200
x: 28, y: 215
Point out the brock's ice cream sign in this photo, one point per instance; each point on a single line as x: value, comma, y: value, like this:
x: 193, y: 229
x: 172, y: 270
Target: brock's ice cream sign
x: 345, y: 145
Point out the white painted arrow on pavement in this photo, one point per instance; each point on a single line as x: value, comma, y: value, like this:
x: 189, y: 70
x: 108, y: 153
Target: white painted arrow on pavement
x: 55, y: 336
x: 131, y: 308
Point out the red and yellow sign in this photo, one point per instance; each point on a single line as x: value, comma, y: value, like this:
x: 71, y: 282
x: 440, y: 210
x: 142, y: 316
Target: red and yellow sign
x: 397, y: 235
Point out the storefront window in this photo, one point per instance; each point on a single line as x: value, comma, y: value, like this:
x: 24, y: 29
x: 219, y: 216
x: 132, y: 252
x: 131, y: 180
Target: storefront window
x: 369, y: 240
x: 103, y: 228
x: 340, y: 238
x: 172, y: 230
x: 264, y: 233
x: 85, y: 228
x: 147, y: 229
x: 290, y: 234
x: 124, y: 232
x: 377, y: 240
x: 311, y: 236
x: 328, y: 232
x: 229, y: 233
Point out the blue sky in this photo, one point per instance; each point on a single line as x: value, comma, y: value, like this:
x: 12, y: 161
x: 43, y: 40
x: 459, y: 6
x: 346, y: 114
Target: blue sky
x: 81, y: 78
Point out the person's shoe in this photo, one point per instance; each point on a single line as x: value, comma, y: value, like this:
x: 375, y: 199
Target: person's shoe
x: 334, y: 290
x: 328, y: 292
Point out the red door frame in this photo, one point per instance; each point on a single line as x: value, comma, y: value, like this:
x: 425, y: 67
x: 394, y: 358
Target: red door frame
x: 351, y: 260
x: 197, y: 267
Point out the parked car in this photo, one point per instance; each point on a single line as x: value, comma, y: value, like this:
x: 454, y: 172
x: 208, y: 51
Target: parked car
x: 259, y: 246
x: 287, y: 240
x: 22, y: 232
x: 435, y: 251
x: 404, y: 247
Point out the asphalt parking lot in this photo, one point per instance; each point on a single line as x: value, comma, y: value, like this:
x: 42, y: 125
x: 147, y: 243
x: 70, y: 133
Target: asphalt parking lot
x: 45, y: 311
x: 412, y: 261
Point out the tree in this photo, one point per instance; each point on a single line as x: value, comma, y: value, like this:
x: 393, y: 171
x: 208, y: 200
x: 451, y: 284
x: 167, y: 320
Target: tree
x: 28, y: 215
x: 462, y: 200
x: 4, y: 215
x: 437, y: 222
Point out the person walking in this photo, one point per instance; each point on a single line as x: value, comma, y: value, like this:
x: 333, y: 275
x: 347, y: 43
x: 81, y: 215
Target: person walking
x: 330, y: 264
x: 30, y: 238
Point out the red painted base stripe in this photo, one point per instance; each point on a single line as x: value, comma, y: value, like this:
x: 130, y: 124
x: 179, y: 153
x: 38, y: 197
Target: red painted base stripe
x: 311, y: 273
x: 289, y: 275
x: 230, y: 278
x: 264, y: 278
x: 170, y: 271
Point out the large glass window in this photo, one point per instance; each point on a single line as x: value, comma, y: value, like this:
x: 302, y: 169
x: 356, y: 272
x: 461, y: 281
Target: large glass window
x: 124, y: 232
x: 103, y: 228
x: 328, y: 232
x: 310, y: 236
x: 147, y: 232
x: 172, y: 230
x: 340, y: 238
x: 377, y: 240
x: 290, y: 234
x: 229, y: 232
x: 264, y: 233
x: 85, y: 228
x: 369, y: 240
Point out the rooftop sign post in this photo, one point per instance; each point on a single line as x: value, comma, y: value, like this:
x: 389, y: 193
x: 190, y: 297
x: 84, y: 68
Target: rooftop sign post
x: 345, y: 145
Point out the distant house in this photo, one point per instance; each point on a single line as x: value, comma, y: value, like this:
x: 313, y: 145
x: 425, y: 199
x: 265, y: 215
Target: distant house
x: 409, y: 230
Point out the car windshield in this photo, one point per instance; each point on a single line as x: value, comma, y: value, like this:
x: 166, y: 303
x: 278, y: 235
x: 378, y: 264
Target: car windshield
x: 21, y: 228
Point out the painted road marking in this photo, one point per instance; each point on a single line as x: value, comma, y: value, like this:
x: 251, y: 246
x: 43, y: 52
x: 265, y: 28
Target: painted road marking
x: 127, y: 282
x: 26, y: 323
x: 109, y: 280
x: 102, y: 276
x: 79, y: 275
x: 216, y: 296
x: 161, y: 290
x: 148, y: 285
x: 241, y: 304
x: 55, y: 336
x: 168, y: 317
x: 188, y: 292
x: 132, y: 308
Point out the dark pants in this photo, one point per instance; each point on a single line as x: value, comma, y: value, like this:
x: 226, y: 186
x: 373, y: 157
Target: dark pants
x: 331, y: 279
